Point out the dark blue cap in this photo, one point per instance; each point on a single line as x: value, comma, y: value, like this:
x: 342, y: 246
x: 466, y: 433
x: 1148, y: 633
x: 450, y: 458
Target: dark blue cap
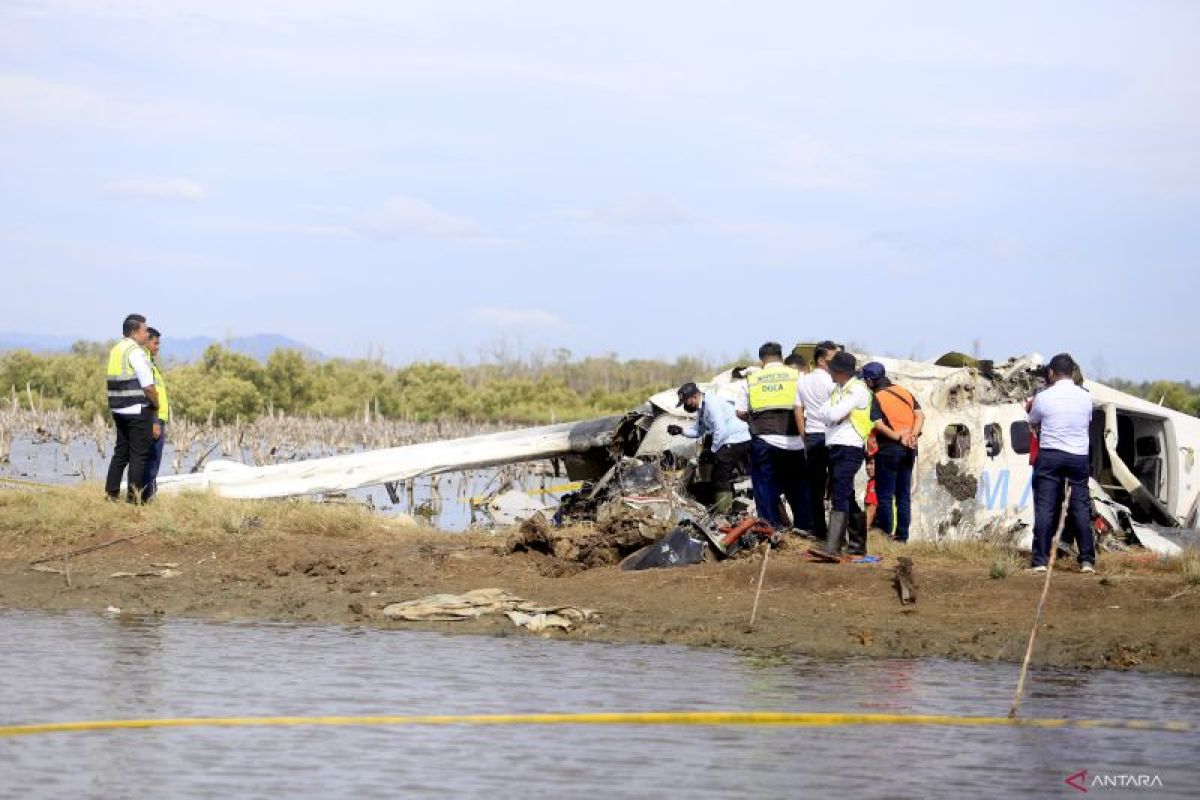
x: 873, y: 371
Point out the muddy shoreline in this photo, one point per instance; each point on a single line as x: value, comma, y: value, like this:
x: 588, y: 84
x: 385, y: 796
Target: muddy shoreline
x: 1123, y: 620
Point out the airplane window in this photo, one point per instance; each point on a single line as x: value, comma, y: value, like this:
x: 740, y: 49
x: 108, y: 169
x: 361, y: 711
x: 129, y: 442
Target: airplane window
x: 1020, y: 436
x: 993, y: 438
x: 958, y: 441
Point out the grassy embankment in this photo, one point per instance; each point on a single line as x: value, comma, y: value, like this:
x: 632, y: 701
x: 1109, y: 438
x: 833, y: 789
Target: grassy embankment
x: 39, y: 522
x: 42, y: 521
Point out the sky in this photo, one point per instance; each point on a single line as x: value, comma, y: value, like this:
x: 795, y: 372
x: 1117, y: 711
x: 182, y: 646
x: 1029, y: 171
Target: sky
x: 454, y: 180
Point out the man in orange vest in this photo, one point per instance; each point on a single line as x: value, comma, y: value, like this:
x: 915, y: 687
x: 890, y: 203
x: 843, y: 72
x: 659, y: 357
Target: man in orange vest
x: 898, y: 421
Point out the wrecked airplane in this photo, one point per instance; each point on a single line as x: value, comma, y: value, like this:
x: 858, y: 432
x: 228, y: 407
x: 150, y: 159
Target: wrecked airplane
x: 973, y: 476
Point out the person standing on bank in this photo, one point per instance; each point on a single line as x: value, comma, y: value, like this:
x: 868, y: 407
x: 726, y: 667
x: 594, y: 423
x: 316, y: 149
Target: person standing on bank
x: 898, y: 420
x: 811, y: 394
x: 777, y: 464
x: 163, y: 416
x: 730, y: 439
x: 133, y: 400
x: 1062, y: 414
x: 847, y: 418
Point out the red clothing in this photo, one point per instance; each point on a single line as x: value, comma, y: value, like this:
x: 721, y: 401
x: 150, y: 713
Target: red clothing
x: 872, y: 499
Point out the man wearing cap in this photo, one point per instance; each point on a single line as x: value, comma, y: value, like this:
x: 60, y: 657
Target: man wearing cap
x: 777, y: 464
x: 730, y: 439
x: 847, y: 418
x: 812, y: 393
x: 1062, y: 414
x: 898, y: 420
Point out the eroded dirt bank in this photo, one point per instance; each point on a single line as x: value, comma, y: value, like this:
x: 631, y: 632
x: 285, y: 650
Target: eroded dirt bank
x: 1127, y: 619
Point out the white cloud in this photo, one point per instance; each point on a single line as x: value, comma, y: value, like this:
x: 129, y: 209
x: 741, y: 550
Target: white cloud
x: 26, y: 99
x: 181, y: 189
x: 404, y: 216
x: 518, y: 317
x: 812, y: 164
x: 647, y: 210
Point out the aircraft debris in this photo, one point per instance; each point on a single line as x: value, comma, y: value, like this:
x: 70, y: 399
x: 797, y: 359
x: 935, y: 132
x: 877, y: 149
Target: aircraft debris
x: 972, y: 477
x: 482, y: 602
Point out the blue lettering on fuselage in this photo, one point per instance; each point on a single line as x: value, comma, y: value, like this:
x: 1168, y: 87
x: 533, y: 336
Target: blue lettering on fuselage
x: 993, y: 490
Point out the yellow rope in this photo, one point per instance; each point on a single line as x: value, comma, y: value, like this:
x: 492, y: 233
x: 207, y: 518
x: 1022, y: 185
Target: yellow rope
x: 776, y: 718
x: 574, y: 486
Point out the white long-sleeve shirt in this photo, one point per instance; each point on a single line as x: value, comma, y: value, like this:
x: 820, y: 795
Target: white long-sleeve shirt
x: 140, y: 362
x: 836, y: 415
x: 811, y: 393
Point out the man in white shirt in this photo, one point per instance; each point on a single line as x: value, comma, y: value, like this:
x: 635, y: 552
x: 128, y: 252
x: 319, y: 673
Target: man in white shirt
x: 133, y: 401
x: 812, y: 393
x: 1062, y: 414
x: 847, y: 418
x: 777, y: 464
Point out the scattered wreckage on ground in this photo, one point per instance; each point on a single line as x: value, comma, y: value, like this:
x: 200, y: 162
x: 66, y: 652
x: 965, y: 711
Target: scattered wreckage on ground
x: 636, y: 481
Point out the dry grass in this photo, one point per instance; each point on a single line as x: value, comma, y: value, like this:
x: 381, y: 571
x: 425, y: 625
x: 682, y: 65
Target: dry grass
x: 1003, y: 560
x: 1189, y: 565
x: 63, y: 516
x: 961, y: 551
x: 1004, y: 565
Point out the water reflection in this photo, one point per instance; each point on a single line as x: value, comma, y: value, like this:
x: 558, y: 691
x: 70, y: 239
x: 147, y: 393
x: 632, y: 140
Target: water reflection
x: 82, y: 667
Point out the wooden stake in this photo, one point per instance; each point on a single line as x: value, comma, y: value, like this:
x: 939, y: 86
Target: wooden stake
x: 762, y: 573
x: 1062, y: 518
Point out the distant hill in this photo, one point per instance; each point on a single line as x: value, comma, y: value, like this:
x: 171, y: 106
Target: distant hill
x: 259, y: 345
x: 13, y: 340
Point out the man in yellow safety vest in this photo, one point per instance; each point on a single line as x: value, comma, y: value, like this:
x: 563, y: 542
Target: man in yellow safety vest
x: 154, y: 462
x: 133, y: 401
x: 777, y: 463
x: 847, y: 418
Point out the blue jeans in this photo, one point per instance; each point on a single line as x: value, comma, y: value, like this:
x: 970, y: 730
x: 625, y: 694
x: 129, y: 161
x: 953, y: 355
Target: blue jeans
x: 844, y: 464
x: 893, y: 486
x: 775, y: 471
x: 1052, y: 468
x: 153, y: 462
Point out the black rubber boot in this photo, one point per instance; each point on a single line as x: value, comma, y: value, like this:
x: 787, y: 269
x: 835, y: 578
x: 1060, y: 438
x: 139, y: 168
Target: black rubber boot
x: 837, y: 531
x: 856, y: 534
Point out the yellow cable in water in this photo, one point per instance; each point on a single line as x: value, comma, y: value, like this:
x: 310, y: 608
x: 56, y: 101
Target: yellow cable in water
x: 574, y: 486
x: 773, y: 718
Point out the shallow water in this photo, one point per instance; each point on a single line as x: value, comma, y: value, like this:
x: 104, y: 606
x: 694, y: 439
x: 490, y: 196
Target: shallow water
x: 76, y: 666
x: 441, y: 500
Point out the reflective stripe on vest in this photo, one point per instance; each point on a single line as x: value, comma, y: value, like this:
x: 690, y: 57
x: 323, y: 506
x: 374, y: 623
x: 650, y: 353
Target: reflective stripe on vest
x: 772, y: 404
x: 860, y: 418
x: 124, y: 390
x: 164, y: 402
x: 898, y: 407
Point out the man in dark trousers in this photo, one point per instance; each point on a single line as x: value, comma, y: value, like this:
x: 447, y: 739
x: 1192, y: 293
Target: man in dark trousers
x: 898, y: 422
x: 162, y: 417
x: 133, y: 401
x: 730, y: 439
x: 1062, y: 414
x: 847, y: 418
x: 777, y: 463
x: 812, y: 392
